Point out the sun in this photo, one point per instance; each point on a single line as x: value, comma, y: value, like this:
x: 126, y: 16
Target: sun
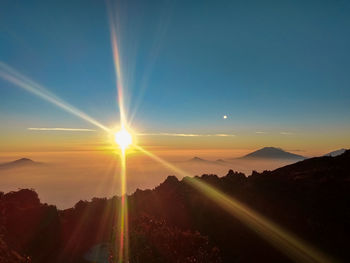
x: 123, y: 138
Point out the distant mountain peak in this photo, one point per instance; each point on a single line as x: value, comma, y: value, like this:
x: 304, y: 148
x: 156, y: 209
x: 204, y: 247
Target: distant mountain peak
x: 272, y: 153
x: 271, y: 148
x: 24, y: 160
x: 19, y: 163
x: 336, y: 152
x: 197, y: 159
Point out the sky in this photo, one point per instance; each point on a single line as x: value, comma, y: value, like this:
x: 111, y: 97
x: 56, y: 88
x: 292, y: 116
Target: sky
x: 279, y: 70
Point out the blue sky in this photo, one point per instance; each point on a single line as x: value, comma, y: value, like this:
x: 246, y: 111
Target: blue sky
x: 266, y: 64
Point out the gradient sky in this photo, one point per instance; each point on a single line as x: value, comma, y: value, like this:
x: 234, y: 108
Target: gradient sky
x: 280, y: 70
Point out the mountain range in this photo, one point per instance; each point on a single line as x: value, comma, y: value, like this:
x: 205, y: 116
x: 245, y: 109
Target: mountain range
x: 266, y: 153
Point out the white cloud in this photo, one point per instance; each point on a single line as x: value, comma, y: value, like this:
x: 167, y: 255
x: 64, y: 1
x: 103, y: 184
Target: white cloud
x: 186, y: 134
x: 61, y: 129
x: 286, y: 133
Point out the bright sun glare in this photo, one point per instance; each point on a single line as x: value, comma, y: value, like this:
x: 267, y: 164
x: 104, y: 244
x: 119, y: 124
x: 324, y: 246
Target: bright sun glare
x: 123, y: 138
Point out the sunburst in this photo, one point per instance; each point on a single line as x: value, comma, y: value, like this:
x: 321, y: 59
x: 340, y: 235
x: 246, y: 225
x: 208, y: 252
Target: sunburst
x: 123, y: 138
x: 279, y: 237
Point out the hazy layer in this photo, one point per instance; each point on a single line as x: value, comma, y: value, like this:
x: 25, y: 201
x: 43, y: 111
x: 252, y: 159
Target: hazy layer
x: 67, y: 177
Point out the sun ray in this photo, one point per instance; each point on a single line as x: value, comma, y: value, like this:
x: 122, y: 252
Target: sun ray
x: 25, y: 83
x: 288, y: 243
x: 117, y: 66
x: 160, y: 33
x: 123, y: 217
x: 123, y: 139
x: 107, y: 212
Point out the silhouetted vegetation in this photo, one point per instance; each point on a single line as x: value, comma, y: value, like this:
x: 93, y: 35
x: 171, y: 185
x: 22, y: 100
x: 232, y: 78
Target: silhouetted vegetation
x: 176, y: 223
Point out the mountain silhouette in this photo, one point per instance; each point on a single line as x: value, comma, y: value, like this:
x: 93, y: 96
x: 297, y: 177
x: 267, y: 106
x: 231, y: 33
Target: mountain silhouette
x: 272, y: 153
x: 23, y: 162
x: 336, y: 152
x: 198, y: 160
x: 176, y: 223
